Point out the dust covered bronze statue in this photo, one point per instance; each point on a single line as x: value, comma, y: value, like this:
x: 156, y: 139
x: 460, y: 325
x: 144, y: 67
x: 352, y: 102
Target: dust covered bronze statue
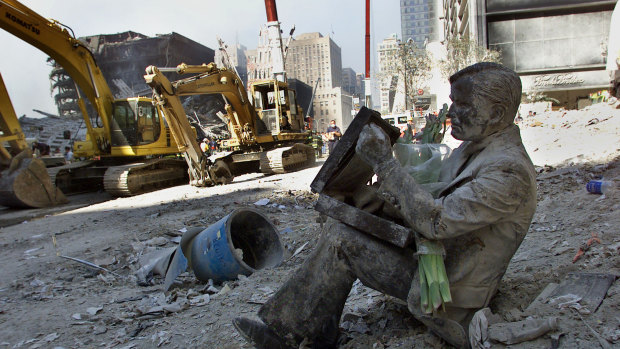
x: 481, y: 216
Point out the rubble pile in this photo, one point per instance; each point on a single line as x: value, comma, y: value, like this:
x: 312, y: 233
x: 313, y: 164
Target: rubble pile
x: 93, y: 298
x: 563, y: 137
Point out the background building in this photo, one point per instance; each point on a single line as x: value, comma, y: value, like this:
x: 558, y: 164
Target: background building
x: 313, y: 57
x: 387, y: 78
x: 259, y: 62
x: 122, y: 58
x: 558, y: 47
x: 349, y: 81
x: 461, y: 18
x: 419, y: 20
x: 237, y: 57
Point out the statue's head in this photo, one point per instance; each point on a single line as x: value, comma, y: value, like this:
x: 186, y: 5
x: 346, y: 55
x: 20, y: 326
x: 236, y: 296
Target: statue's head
x: 485, y: 99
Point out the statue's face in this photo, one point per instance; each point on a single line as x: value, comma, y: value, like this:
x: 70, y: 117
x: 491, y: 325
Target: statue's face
x: 470, y: 116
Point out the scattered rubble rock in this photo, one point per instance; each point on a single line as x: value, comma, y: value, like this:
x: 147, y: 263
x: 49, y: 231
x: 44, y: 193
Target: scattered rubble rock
x: 195, y: 314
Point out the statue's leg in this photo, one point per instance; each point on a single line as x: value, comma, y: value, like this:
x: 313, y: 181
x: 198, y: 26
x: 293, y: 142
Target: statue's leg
x: 310, y: 303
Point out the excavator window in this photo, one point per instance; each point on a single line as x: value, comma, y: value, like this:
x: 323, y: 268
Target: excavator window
x: 292, y: 99
x: 259, y: 103
x: 282, y: 99
x: 124, y: 127
x: 271, y: 100
x: 148, y: 123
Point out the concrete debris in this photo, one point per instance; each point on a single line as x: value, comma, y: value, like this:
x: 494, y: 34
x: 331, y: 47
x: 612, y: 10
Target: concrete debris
x: 155, y: 262
x: 521, y: 331
x: 262, y: 202
x: 94, y: 310
x: 90, y: 264
x: 299, y: 249
x: 97, y: 330
x: 200, y: 300
x: 157, y: 241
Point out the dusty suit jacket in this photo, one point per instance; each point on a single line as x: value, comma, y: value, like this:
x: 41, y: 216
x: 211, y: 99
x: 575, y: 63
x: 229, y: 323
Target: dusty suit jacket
x: 481, y: 216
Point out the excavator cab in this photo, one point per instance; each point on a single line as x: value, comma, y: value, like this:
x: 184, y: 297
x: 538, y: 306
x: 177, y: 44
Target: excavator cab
x: 274, y: 102
x: 136, y: 122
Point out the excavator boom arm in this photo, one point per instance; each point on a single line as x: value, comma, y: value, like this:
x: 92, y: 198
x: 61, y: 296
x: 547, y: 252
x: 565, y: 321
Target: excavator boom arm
x: 10, y: 128
x: 211, y: 81
x: 56, y: 41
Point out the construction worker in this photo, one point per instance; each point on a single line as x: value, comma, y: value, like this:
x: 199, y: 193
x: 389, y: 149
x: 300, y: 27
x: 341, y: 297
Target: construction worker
x: 480, y: 216
x: 409, y: 131
x: 317, y: 144
x: 333, y: 135
x: 204, y: 146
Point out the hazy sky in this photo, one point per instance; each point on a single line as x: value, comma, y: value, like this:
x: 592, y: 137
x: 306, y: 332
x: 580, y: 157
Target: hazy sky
x: 25, y: 71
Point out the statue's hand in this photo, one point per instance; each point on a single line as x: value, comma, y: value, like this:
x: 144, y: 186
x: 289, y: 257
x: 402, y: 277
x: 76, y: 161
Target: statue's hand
x: 373, y: 146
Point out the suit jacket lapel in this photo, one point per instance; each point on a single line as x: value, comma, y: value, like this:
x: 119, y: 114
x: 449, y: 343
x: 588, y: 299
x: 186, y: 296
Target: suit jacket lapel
x: 455, y: 173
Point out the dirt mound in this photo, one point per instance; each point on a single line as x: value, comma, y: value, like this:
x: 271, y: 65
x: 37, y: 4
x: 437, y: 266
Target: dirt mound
x: 565, y: 137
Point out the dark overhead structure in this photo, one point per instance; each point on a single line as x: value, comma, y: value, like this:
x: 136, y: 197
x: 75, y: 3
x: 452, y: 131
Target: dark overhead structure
x: 558, y: 47
x: 122, y: 58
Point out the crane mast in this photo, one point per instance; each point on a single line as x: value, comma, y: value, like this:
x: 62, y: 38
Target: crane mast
x: 274, y: 35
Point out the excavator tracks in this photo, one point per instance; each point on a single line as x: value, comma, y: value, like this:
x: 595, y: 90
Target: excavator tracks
x: 77, y: 177
x: 136, y: 178
x: 288, y: 159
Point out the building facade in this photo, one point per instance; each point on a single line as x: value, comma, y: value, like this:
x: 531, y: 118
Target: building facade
x: 122, y: 58
x: 419, y: 20
x: 558, y: 47
x: 312, y: 56
x: 463, y: 18
x: 259, y: 62
x: 349, y: 81
x: 316, y: 60
x: 387, y: 78
x: 237, y: 57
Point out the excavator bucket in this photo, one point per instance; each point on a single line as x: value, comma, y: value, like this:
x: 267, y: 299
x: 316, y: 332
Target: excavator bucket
x: 26, y: 184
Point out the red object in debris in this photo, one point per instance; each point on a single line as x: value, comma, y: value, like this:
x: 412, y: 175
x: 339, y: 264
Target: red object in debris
x: 578, y: 255
x: 584, y: 248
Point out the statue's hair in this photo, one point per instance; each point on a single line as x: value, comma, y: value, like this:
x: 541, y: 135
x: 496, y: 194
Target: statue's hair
x: 495, y: 83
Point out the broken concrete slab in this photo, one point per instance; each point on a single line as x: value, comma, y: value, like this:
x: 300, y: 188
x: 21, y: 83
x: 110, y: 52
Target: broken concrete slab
x: 344, y: 174
x: 586, y: 289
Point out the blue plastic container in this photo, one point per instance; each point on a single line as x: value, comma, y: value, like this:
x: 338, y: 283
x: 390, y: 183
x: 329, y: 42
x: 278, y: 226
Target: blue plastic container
x: 598, y: 186
x: 240, y: 243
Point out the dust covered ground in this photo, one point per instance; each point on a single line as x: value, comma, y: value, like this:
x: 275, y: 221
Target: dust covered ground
x: 47, y: 301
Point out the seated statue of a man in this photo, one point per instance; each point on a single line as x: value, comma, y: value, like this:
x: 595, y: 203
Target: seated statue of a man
x: 480, y: 216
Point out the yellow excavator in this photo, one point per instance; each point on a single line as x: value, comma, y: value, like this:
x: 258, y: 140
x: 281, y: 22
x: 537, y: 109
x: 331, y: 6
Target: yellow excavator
x: 267, y: 130
x: 24, y: 181
x: 268, y: 136
x: 127, y: 140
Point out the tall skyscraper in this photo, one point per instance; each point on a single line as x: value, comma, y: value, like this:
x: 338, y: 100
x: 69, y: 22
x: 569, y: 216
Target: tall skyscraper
x: 387, y: 76
x: 316, y: 60
x: 349, y: 81
x: 419, y: 20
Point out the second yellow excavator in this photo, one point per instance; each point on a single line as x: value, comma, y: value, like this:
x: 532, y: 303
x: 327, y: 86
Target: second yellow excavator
x: 268, y: 136
x: 267, y: 130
